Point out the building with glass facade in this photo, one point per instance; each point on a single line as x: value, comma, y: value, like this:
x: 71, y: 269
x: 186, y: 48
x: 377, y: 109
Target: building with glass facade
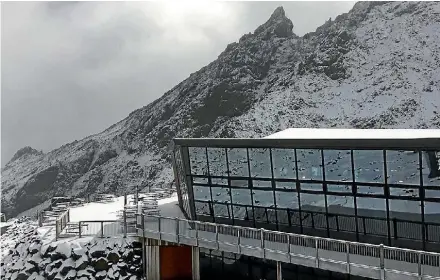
x: 373, y: 186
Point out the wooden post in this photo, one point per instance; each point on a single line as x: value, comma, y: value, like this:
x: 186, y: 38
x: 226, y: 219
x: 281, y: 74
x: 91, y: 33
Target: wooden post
x: 381, y: 262
x: 79, y: 229
x: 125, y: 222
x: 279, y: 271
x: 102, y: 229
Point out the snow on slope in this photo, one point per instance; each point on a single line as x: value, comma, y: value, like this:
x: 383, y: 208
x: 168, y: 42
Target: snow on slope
x: 374, y: 67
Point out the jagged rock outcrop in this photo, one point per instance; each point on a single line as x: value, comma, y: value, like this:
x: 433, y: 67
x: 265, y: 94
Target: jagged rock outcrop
x: 376, y: 66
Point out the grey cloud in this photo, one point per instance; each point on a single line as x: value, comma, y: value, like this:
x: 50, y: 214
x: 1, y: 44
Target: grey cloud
x: 71, y: 69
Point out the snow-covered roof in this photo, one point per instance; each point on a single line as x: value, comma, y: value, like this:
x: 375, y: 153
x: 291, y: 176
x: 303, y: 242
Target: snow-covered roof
x: 337, y: 133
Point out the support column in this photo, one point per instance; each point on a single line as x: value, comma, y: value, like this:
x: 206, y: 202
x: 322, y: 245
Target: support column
x: 279, y: 271
x: 152, y: 260
x: 195, y: 263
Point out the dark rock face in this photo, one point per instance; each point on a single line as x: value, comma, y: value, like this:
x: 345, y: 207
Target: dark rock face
x: 348, y: 73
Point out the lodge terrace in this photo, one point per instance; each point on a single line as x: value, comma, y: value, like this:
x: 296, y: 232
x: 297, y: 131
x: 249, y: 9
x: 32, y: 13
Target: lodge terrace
x: 377, y: 187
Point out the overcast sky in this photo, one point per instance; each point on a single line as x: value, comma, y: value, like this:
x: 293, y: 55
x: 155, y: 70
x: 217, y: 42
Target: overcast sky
x: 71, y: 69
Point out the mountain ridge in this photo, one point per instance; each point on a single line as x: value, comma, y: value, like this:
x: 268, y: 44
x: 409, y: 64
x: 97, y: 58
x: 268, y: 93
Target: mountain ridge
x: 372, y: 67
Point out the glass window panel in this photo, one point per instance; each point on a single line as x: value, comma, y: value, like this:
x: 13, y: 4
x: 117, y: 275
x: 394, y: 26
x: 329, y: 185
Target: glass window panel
x: 201, y: 193
x: 285, y: 185
x: 222, y: 210
x: 263, y: 198
x: 432, y: 193
x: 371, y: 207
x: 217, y: 162
x: 241, y: 212
x: 431, y: 175
x: 337, y: 165
x: 261, y: 184
x: 238, y: 164
x: 221, y: 194
x: 406, y: 192
x: 312, y: 202
x: 284, y: 163
x: 197, y: 158
x: 343, y: 205
x: 309, y: 164
x: 286, y: 199
x: 432, y: 212
x: 370, y: 190
x: 260, y: 214
x: 405, y: 209
x: 260, y: 163
x: 240, y: 183
x: 402, y: 167
x: 311, y: 187
x: 241, y: 196
x: 339, y: 188
x: 369, y: 166
x: 202, y: 208
x: 199, y: 180
x: 219, y: 181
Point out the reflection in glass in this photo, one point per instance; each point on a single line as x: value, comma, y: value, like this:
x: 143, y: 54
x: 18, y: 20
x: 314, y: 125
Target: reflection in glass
x: 260, y: 163
x: 286, y: 199
x: 370, y: 190
x: 339, y: 188
x: 222, y: 210
x: 284, y: 163
x: 429, y: 178
x: 241, y: 212
x: 402, y: 167
x: 241, y: 196
x: 309, y: 164
x: 313, y: 202
x: 238, y: 165
x: 311, y: 187
x: 432, y: 212
x: 371, y: 207
x: 405, y: 209
x: 337, y: 165
x: 261, y: 184
x: 369, y: 166
x: 220, y: 194
x: 202, y: 193
x: 198, y: 163
x: 217, y: 162
x: 263, y: 198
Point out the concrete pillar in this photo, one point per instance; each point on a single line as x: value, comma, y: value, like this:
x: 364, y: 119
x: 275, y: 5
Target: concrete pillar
x: 195, y: 263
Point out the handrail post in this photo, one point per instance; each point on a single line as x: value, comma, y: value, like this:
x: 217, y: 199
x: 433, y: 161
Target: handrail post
x: 419, y: 265
x: 316, y: 253
x: 216, y: 237
x: 177, y: 231
x: 262, y: 243
x: 347, y: 249
x: 143, y: 225
x: 79, y: 229
x: 238, y: 241
x: 125, y: 222
x: 160, y: 230
x: 102, y: 229
x: 288, y: 248
x: 56, y: 229
x: 197, y: 233
x: 382, y: 262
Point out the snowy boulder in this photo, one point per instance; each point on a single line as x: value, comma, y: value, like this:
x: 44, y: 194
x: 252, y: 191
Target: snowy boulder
x: 101, y: 275
x: 67, y: 266
x: 81, y: 263
x: 47, y: 250
x: 97, y: 252
x: 77, y: 253
x: 100, y: 264
x: 34, y: 248
x: 22, y: 276
x: 113, y: 257
x: 71, y: 275
x: 30, y: 268
x: 136, y: 244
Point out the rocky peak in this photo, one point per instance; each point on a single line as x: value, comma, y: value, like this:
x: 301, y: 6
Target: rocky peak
x: 25, y: 151
x: 278, y: 25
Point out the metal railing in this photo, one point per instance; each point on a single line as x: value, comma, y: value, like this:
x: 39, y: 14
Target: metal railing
x: 367, y: 260
x: 61, y: 223
x: 400, y: 229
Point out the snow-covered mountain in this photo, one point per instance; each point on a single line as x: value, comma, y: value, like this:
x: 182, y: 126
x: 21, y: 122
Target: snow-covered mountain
x: 374, y: 67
